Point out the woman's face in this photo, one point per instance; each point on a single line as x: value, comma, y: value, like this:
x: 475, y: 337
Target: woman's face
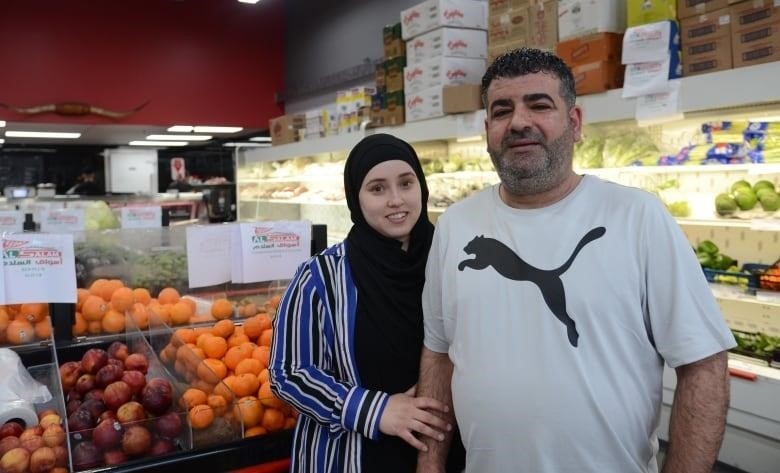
x: 391, y: 199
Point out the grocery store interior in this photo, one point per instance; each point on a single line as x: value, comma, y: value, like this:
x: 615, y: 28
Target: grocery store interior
x: 146, y: 137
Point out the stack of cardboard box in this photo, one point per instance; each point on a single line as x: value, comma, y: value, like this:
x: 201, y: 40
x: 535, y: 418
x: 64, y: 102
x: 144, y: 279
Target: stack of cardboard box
x: 516, y: 23
x: 590, y: 42
x: 755, y: 32
x: 705, y: 36
x: 446, y: 46
x: 387, y: 104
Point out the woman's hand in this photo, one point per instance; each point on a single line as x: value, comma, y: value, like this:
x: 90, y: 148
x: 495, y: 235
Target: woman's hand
x: 406, y: 415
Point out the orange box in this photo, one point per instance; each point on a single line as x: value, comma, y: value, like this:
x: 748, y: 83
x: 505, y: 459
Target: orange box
x: 598, y: 76
x: 591, y: 48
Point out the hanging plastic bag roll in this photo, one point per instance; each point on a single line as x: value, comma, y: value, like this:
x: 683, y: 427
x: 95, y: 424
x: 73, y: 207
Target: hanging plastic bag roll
x: 17, y: 383
x: 18, y: 410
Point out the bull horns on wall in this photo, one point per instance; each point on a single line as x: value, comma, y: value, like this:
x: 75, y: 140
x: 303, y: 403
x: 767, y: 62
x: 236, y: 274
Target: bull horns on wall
x: 72, y: 109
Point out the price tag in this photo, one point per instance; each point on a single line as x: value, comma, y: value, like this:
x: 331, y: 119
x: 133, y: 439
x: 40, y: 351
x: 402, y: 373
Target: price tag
x: 141, y: 217
x: 38, y: 267
x: 11, y: 221
x: 661, y: 107
x: 269, y: 251
x: 208, y: 255
x: 62, y: 220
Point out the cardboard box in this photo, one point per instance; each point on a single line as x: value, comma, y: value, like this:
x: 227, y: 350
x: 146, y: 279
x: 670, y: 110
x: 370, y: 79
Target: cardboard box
x: 756, y: 45
x: 495, y: 50
x: 585, y: 17
x: 497, y: 6
x: 543, y: 18
x: 380, y: 77
x: 284, y: 129
x: 754, y: 13
x: 461, y: 98
x: 447, y: 42
x: 600, y: 47
x: 641, y: 12
x: 394, y: 74
x: 705, y: 27
x: 431, y: 14
x: 598, y: 76
x: 394, y: 113
x: 708, y: 55
x: 513, y: 25
x: 394, y: 48
x: 689, y: 8
x: 442, y: 71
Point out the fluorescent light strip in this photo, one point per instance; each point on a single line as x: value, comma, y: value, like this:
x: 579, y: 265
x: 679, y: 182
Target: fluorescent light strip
x: 262, y: 139
x: 2, y: 141
x: 468, y: 139
x: 179, y: 137
x: 217, y: 129
x: 180, y: 129
x: 158, y: 143
x: 246, y: 145
x: 248, y: 1
x: 2, y: 123
x: 41, y: 134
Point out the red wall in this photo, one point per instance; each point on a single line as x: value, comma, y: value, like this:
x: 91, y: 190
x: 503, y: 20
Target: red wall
x: 194, y: 61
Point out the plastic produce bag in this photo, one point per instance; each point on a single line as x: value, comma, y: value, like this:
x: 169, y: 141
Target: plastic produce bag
x: 17, y: 383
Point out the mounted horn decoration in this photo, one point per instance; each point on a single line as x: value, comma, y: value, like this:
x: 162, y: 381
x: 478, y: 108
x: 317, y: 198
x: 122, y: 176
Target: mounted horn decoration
x: 72, y: 109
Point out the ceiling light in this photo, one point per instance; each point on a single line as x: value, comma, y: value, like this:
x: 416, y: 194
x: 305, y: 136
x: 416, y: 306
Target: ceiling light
x: 2, y: 123
x: 180, y: 129
x: 246, y: 144
x: 468, y: 139
x: 248, y: 1
x: 217, y: 129
x: 2, y: 141
x: 262, y: 139
x: 179, y: 137
x: 41, y: 134
x: 158, y: 143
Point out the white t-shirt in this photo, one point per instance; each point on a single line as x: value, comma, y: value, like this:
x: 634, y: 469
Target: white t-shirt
x: 633, y: 296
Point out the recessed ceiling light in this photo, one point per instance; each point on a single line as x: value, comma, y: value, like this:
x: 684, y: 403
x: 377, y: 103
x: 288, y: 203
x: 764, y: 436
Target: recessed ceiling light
x: 217, y: 129
x: 158, y: 143
x: 2, y: 123
x: 2, y: 141
x: 262, y: 139
x: 41, y: 134
x: 179, y: 137
x: 246, y: 144
x: 248, y: 1
x: 180, y: 129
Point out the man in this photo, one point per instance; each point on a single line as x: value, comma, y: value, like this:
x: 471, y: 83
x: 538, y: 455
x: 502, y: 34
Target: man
x: 86, y: 183
x: 552, y: 301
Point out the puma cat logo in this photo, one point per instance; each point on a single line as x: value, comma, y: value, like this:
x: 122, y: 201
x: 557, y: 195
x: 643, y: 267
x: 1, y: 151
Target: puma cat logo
x: 491, y: 252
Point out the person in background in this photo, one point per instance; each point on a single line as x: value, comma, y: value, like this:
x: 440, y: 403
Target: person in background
x: 348, y: 332
x: 86, y: 183
x: 181, y: 184
x: 552, y: 301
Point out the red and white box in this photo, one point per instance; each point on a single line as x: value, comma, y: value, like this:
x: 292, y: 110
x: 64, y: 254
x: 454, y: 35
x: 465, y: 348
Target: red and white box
x: 431, y: 14
x: 441, y: 71
x: 447, y: 42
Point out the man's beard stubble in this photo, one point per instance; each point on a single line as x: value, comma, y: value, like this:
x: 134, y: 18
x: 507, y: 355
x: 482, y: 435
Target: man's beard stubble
x: 532, y: 174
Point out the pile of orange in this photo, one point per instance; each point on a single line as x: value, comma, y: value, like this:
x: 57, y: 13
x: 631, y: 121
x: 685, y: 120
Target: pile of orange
x: 24, y: 323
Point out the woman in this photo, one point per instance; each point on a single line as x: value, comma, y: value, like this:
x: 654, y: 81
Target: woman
x: 348, y: 333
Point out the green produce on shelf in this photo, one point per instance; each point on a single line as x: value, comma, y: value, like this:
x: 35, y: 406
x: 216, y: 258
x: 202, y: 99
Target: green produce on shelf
x: 770, y: 201
x: 759, y: 344
x: 763, y: 184
x: 160, y: 269
x: 709, y: 256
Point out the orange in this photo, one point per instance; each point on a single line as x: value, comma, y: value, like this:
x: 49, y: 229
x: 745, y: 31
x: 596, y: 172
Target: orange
x: 190, y: 302
x: 215, y: 347
x: 268, y: 398
x: 183, y: 335
x: 200, y: 416
x: 93, y: 309
x: 289, y: 423
x: 122, y: 299
x: 266, y: 337
x: 192, y: 397
x: 224, y: 328
x: 217, y: 403
x: 94, y: 327
x: 43, y: 329
x: 168, y: 295
x: 142, y: 295
x: 274, y: 301
x: 140, y: 315
x: 200, y: 338
x: 264, y: 376
x: 113, y: 322
x: 250, y: 309
x: 211, y: 370
x: 110, y: 287
x: 255, y: 431
x: 253, y: 327
x: 159, y: 314
x: 97, y: 287
x: 221, y: 309
x: 223, y: 390
x: 249, y: 410
x: 79, y: 327
x: 262, y: 354
x: 34, y: 312
x: 202, y: 385
x: 248, y: 365
x: 234, y: 355
x: 168, y: 354
x: 81, y: 296
x: 237, y: 339
x: 20, y: 331
x: 245, y: 384
x: 273, y: 419
x: 181, y: 313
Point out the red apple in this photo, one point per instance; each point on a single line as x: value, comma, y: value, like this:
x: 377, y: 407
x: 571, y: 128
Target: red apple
x: 85, y: 383
x: 80, y: 423
x: 53, y: 435
x: 108, y: 374
x: 107, y: 434
x: 32, y: 443
x: 116, y: 394
x: 168, y: 425
x: 130, y: 412
x: 69, y: 373
x: 86, y: 455
x: 135, y: 379
x: 11, y: 428
x: 15, y: 461
x: 157, y: 395
x: 93, y: 360
x: 137, y: 362
x: 161, y: 446
x: 116, y: 362
x: 72, y: 406
x: 118, y: 350
x: 9, y: 443
x: 136, y: 440
x: 107, y: 415
x: 42, y: 460
x: 96, y: 394
x: 94, y: 407
x: 114, y: 457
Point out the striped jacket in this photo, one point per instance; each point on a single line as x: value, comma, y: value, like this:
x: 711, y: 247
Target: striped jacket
x: 313, y: 367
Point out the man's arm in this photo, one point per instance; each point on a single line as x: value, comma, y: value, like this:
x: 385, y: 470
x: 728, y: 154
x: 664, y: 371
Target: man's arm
x: 435, y: 379
x: 698, y: 418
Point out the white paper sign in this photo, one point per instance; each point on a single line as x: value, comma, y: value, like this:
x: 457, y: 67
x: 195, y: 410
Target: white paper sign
x: 11, y: 221
x: 658, y: 108
x: 38, y: 267
x: 645, y: 43
x: 208, y: 255
x: 268, y: 251
x: 646, y: 78
x: 141, y: 217
x: 62, y: 220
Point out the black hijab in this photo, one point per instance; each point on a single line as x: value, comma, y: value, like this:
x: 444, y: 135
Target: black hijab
x: 389, y: 327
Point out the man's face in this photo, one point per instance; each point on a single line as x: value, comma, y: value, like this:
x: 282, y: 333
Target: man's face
x: 530, y: 132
